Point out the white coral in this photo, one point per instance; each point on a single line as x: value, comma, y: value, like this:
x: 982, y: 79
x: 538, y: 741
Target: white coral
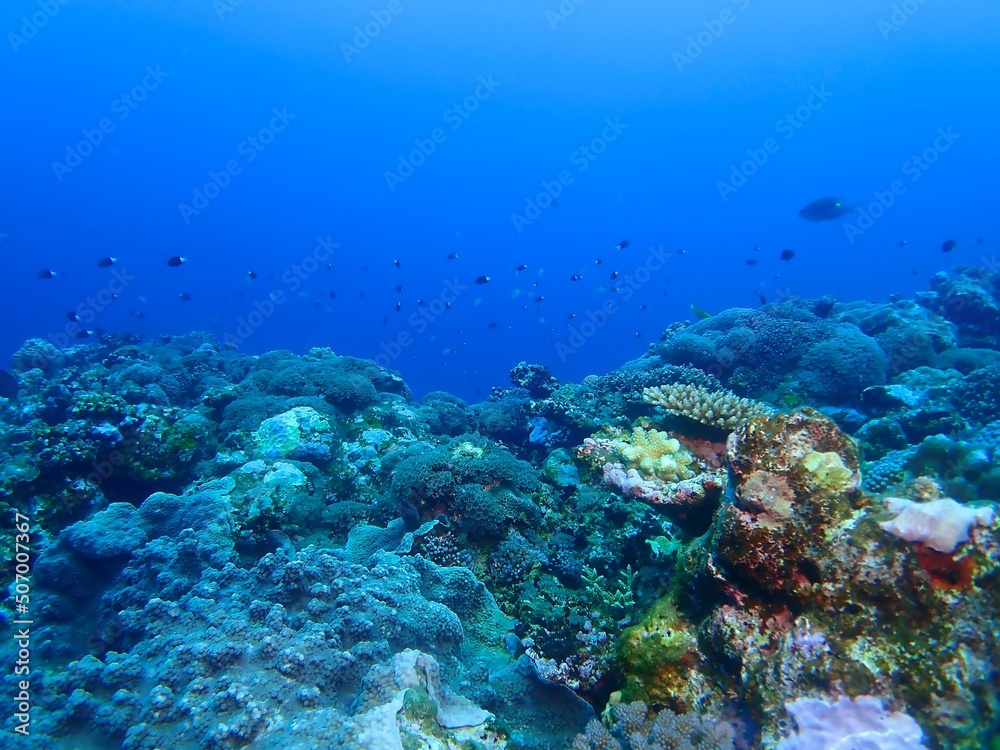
x: 940, y: 524
x: 859, y: 724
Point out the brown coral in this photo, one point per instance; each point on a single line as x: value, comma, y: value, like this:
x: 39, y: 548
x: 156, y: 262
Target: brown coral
x: 720, y: 409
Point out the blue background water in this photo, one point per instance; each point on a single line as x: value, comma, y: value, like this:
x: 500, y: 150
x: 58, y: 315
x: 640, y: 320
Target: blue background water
x: 230, y: 64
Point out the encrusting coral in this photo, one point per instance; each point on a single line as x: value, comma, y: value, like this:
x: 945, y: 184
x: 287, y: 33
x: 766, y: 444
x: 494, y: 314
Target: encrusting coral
x: 720, y: 409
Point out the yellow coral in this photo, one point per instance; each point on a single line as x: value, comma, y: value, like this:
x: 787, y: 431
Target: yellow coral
x: 827, y: 470
x: 655, y: 453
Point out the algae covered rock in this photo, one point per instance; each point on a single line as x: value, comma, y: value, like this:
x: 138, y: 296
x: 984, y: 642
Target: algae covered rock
x: 291, y: 433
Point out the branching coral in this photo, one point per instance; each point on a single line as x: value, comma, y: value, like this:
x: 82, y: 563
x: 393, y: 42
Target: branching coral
x: 652, y: 453
x: 720, y: 409
x: 634, y: 728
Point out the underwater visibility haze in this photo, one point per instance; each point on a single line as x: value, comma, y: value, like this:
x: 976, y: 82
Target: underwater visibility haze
x: 527, y: 375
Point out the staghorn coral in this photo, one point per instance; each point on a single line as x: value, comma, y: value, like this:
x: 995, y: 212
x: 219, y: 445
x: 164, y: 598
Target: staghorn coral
x: 634, y: 727
x: 720, y: 409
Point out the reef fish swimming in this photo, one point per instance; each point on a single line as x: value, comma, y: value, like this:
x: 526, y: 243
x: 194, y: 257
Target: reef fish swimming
x: 825, y: 209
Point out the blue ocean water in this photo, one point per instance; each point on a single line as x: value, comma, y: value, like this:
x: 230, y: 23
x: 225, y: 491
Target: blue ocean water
x: 409, y: 131
x: 542, y: 375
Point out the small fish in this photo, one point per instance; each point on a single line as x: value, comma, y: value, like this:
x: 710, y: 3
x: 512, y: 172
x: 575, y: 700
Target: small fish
x: 613, y: 276
x: 980, y: 240
x: 452, y: 256
x: 482, y: 279
x: 333, y: 295
x: 251, y: 275
x: 399, y: 306
x: 902, y: 243
x: 575, y: 277
x: 522, y: 267
x: 572, y: 316
x: 622, y: 245
x: 72, y: 317
x: 643, y: 306
x: 421, y: 303
x: 83, y: 334
x: 8, y: 386
x: 751, y: 261
x: 396, y: 263
x: 787, y: 254
x: 399, y: 287
x: 763, y: 299
x: 493, y: 324
x: 699, y: 313
x: 597, y: 262
x: 682, y: 251
x: 106, y: 262
x: 176, y: 261
x: 47, y: 273
x: 184, y: 296
x: 757, y: 249
x: 948, y: 245
x: 539, y: 298
x: 825, y: 209
x: 638, y: 334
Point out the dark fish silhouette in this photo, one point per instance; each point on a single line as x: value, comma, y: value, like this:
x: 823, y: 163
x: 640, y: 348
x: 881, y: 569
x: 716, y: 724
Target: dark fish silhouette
x: 176, y: 261
x: 452, y: 256
x: 787, y: 254
x: 825, y: 209
x: 482, y: 279
x: 948, y: 245
x: 106, y: 262
x: 8, y: 385
x: 47, y: 273
x: 622, y: 245
x: 575, y: 277
x: 751, y: 261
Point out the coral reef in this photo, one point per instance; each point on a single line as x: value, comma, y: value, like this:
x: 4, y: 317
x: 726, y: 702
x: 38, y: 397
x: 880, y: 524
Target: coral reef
x: 776, y: 529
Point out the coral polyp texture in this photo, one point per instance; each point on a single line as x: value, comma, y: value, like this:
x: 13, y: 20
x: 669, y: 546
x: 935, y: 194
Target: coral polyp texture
x: 721, y: 409
x: 776, y: 529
